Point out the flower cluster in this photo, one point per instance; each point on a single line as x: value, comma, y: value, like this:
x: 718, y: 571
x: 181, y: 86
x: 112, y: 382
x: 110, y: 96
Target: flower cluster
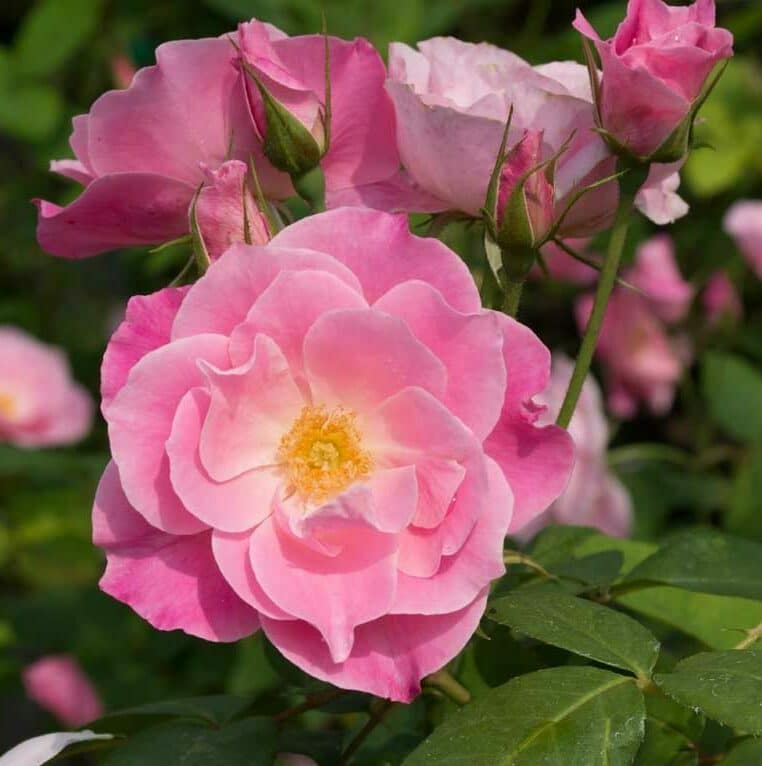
x: 327, y: 436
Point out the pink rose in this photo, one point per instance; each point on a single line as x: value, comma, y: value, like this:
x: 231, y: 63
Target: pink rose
x: 334, y: 415
x: 641, y: 362
x: 362, y: 146
x: 654, y: 69
x: 452, y: 101
x: 594, y: 496
x: 40, y: 404
x: 143, y: 153
x: 721, y: 299
x: 656, y: 274
x: 743, y: 222
x: 59, y: 685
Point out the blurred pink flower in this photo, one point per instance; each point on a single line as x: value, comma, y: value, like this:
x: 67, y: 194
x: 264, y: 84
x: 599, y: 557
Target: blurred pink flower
x: 563, y: 267
x: 40, y: 404
x: 452, y: 101
x: 743, y: 222
x: 332, y: 414
x: 122, y: 70
x: 656, y: 274
x: 654, y: 68
x: 59, y: 685
x: 641, y: 362
x: 721, y: 299
x: 594, y: 496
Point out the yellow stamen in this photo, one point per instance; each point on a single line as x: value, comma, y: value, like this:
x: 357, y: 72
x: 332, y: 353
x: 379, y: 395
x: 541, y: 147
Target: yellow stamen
x: 7, y: 405
x: 322, y: 454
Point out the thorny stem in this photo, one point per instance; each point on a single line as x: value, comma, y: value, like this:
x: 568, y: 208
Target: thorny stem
x: 602, y: 295
x: 443, y: 681
x: 376, y: 717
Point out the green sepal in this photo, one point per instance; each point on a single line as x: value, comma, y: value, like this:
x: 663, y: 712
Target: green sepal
x: 489, y: 210
x: 200, y: 253
x: 288, y: 145
x: 592, y: 72
x: 310, y: 186
x: 273, y: 224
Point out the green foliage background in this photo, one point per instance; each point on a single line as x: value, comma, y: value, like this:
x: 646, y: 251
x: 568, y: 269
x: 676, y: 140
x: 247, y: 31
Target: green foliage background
x: 56, y: 57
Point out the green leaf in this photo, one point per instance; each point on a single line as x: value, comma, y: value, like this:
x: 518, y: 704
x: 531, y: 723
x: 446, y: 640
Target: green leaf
x: 671, y: 728
x: 745, y: 514
x: 748, y: 753
x: 708, y: 562
x: 725, y: 686
x: 733, y: 390
x: 251, y: 742
x: 582, y: 627
x: 570, y: 716
x: 30, y: 112
x: 212, y: 710
x: 717, y: 621
x: 52, y: 32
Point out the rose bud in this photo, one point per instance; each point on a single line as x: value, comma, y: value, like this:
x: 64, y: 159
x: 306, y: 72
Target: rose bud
x: 656, y: 71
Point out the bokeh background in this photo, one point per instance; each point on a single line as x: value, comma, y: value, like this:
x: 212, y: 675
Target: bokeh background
x: 56, y: 57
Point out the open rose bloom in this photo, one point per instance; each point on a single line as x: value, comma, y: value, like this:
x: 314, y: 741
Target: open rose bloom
x: 191, y: 125
x: 327, y: 438
x: 449, y: 95
x: 40, y: 404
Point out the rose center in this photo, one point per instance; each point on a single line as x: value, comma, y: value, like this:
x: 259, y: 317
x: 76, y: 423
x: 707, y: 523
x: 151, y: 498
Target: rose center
x: 7, y: 405
x: 322, y: 453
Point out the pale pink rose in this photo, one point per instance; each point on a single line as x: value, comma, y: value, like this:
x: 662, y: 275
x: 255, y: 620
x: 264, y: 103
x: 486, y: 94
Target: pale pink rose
x: 362, y: 146
x: 333, y: 414
x: 452, y: 101
x: 40, y: 404
x: 721, y: 299
x: 641, y: 363
x: 654, y: 68
x: 144, y: 152
x: 743, y: 222
x: 59, y: 685
x: 39, y: 750
x: 594, y: 496
x: 656, y: 275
